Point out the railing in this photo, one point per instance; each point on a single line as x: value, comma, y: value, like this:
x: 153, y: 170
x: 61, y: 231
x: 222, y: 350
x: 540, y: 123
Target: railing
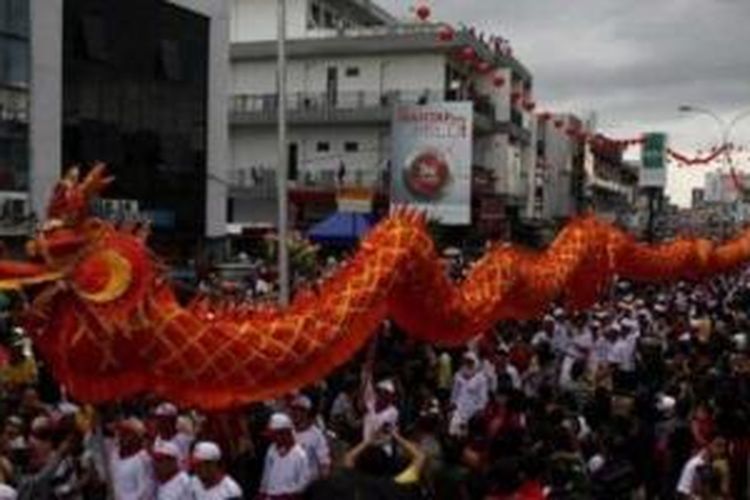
x: 373, y: 31
x: 321, y: 101
x: 261, y: 181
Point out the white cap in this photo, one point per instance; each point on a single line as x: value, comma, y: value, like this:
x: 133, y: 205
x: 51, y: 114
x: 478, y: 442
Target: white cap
x: 166, y: 410
x: 303, y: 402
x: 558, y: 312
x: 387, y: 385
x: 207, y: 451
x: 548, y: 318
x: 665, y: 403
x: 166, y: 449
x: 280, y: 421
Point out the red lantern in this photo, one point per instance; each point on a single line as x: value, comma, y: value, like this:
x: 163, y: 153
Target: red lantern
x: 423, y: 12
x: 446, y: 33
x: 515, y: 96
x: 545, y: 116
x: 498, y: 81
x: 529, y: 105
x: 559, y: 124
x: 468, y: 53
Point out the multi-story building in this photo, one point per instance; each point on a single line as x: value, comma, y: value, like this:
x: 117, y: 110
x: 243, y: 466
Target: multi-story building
x: 349, y: 62
x: 611, y: 183
x: 14, y: 116
x: 557, y: 190
x: 140, y: 85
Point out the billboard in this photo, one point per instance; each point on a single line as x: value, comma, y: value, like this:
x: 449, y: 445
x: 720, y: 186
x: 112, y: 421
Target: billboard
x: 431, y: 160
x: 654, y: 161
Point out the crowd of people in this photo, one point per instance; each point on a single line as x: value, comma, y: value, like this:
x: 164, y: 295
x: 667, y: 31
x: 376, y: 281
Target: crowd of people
x: 644, y: 395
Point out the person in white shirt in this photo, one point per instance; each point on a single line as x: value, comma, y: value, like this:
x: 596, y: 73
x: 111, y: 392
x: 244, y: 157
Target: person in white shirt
x: 470, y: 394
x: 544, y: 336
x: 689, y: 485
x: 286, y: 471
x: 166, y: 416
x: 561, y: 337
x: 210, y: 481
x: 173, y: 483
x: 130, y: 464
x: 310, y: 437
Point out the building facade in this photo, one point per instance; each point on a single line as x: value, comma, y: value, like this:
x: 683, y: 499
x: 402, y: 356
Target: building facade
x: 14, y: 115
x: 349, y: 63
x: 557, y: 190
x: 142, y: 86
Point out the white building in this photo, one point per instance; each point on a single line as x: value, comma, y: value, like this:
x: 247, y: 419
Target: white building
x: 349, y: 62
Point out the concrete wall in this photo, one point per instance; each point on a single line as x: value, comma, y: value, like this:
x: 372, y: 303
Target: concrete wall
x: 256, y: 19
x: 45, y: 141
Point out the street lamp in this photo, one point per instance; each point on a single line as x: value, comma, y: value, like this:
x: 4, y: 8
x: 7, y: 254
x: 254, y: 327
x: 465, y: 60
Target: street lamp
x: 725, y: 129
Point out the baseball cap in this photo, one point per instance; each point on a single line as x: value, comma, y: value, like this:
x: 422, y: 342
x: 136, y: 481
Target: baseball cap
x: 206, y: 451
x: 280, y: 421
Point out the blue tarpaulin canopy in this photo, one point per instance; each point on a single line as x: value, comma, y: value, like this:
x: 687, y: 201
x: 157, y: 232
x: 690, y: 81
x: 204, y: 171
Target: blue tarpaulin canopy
x: 341, y: 228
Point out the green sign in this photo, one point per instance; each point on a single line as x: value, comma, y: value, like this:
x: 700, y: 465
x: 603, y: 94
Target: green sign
x: 653, y: 172
x: 654, y: 153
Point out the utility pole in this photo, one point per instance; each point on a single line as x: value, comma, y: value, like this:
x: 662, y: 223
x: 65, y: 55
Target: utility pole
x: 281, y: 171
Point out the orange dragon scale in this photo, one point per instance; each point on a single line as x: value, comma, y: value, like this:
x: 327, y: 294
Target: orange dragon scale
x: 106, y: 320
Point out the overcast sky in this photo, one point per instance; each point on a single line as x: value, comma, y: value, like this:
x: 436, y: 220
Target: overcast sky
x: 633, y: 62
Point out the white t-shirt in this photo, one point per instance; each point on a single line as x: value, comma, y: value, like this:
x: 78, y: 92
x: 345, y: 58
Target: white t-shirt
x: 226, y: 489
x: 132, y: 477
x: 315, y: 444
x: 375, y: 420
x: 621, y: 354
x: 285, y: 475
x: 560, y: 338
x: 687, y: 478
x: 182, y: 441
x: 177, y: 488
x: 470, y: 394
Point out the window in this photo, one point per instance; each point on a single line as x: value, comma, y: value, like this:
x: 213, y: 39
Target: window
x: 351, y: 147
x: 14, y: 17
x: 314, y: 15
x: 328, y: 21
x: 14, y: 61
x: 323, y: 147
x: 352, y: 71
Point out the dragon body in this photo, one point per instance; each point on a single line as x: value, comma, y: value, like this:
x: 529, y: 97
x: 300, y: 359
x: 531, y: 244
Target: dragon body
x: 105, y: 317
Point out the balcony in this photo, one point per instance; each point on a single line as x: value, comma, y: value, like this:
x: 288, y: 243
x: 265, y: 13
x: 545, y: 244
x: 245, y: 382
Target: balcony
x: 344, y: 108
x: 259, y: 183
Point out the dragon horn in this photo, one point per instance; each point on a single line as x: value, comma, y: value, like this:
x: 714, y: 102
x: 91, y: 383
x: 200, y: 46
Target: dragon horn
x: 96, y: 181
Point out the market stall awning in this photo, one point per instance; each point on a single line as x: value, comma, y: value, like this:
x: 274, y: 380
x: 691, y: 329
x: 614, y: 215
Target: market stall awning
x: 341, y: 228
